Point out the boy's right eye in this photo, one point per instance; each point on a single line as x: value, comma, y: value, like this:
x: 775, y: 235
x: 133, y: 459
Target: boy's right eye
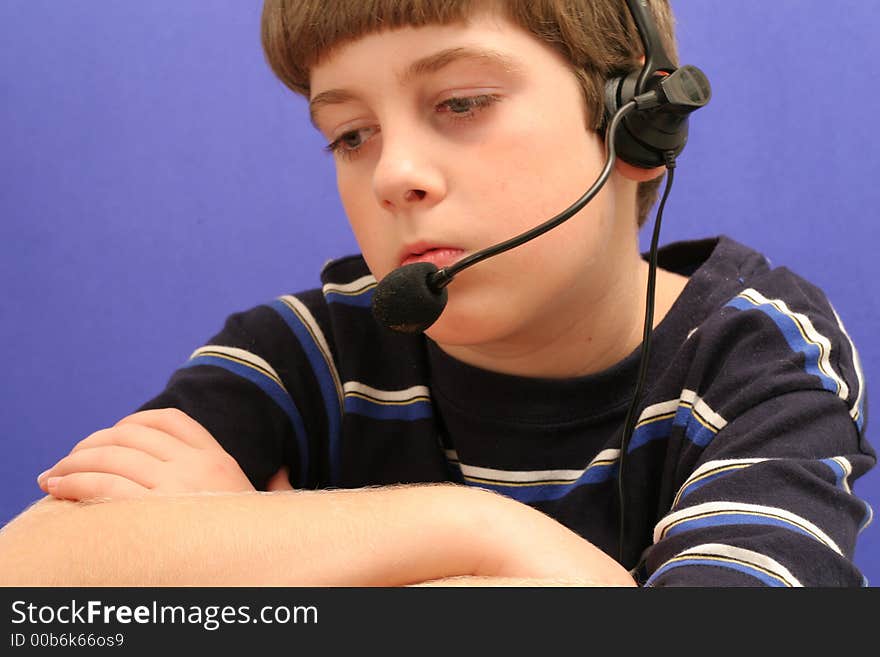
x: 343, y: 145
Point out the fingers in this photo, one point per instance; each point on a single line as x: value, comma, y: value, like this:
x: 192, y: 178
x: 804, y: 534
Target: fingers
x: 132, y: 464
x: 91, y: 485
x: 280, y: 480
x: 148, y: 440
x: 174, y: 422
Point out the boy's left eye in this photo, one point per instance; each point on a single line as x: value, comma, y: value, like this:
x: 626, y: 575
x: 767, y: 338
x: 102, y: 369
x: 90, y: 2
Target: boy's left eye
x: 463, y: 106
x: 459, y: 109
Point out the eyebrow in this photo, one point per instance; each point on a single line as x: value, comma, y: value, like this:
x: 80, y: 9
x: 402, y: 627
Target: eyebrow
x: 421, y: 67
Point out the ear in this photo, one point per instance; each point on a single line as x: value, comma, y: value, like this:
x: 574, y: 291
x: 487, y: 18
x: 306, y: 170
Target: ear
x: 637, y: 173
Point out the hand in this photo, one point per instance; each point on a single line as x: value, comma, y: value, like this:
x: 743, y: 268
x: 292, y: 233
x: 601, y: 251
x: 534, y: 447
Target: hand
x: 526, y: 544
x: 152, y: 452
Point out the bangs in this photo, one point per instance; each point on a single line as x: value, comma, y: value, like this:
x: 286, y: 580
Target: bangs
x: 298, y: 34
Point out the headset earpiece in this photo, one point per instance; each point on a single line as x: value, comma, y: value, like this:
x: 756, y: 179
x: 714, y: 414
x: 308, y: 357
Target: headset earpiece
x: 650, y: 138
x: 646, y: 136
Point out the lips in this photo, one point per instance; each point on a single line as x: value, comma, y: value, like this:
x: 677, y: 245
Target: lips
x: 439, y: 256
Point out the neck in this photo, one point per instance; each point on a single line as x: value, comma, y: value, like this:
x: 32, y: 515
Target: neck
x: 591, y: 330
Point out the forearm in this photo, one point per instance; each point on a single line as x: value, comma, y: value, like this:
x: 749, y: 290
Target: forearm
x: 383, y: 536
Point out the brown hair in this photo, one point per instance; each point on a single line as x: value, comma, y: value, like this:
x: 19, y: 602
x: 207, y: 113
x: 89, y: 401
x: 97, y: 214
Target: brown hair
x: 597, y: 37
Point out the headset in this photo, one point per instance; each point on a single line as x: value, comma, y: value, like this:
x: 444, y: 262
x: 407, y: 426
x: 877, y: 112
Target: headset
x: 646, y: 125
x: 646, y: 139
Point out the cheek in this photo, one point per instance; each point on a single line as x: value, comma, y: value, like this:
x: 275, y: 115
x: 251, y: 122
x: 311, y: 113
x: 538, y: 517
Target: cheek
x: 373, y: 236
x: 539, y: 171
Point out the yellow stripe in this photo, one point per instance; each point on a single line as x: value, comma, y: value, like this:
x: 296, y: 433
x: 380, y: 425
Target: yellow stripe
x: 713, y: 557
x: 703, y: 421
x: 656, y: 418
x: 687, y: 405
x: 708, y: 473
x: 543, y: 482
x: 713, y: 514
x: 354, y: 293
x: 405, y: 402
x: 546, y: 482
x: 822, y: 353
x: 257, y: 368
x: 326, y: 356
x: 706, y: 423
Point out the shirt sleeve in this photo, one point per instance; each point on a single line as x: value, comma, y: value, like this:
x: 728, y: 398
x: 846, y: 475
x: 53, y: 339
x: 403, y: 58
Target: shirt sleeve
x: 253, y: 388
x: 771, y: 502
x: 765, y: 495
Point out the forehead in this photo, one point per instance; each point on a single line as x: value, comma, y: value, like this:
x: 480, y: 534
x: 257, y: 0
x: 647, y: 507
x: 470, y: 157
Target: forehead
x: 406, y: 54
x: 425, y: 65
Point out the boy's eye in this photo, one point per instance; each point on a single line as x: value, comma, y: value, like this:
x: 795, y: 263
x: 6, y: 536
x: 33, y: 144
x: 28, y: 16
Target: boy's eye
x: 466, y: 106
x: 348, y: 144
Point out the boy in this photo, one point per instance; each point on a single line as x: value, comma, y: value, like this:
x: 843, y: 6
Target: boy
x: 457, y: 126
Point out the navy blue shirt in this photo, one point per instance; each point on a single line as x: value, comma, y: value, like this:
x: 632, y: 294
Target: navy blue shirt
x: 751, y: 425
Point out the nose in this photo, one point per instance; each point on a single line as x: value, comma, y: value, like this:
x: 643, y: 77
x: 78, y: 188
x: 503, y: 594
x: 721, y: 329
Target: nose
x: 407, y: 174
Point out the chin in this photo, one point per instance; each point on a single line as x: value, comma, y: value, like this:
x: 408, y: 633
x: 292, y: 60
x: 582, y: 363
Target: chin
x: 471, y: 324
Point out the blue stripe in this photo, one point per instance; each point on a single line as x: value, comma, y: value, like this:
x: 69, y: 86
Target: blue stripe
x: 415, y: 411
x: 545, y: 492
x: 325, y: 382
x: 362, y: 300
x: 793, y: 336
x: 275, y: 392
x: 723, y: 519
x: 837, y: 469
x: 769, y: 580
x: 840, y: 474
x: 650, y: 431
x: 694, y: 430
x: 690, y: 488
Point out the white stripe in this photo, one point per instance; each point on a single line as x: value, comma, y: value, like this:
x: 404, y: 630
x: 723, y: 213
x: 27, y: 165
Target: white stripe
x: 654, y: 410
x: 747, y: 556
x: 720, y: 463
x: 525, y: 476
x: 239, y: 354
x: 310, y: 322
x: 703, y: 410
x: 870, y: 516
x: 812, y: 335
x: 734, y: 507
x: 857, y: 364
x: 671, y: 406
x: 356, y: 286
x: 844, y: 463
x: 386, y: 395
x: 713, y: 465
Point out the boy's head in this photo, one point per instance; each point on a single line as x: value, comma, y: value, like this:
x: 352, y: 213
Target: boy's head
x: 443, y: 155
x: 597, y: 38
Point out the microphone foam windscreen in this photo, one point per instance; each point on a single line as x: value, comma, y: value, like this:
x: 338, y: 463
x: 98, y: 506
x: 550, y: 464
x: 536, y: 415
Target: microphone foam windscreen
x: 404, y: 302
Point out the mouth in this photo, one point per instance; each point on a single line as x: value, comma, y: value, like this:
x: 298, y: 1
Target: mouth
x: 439, y: 256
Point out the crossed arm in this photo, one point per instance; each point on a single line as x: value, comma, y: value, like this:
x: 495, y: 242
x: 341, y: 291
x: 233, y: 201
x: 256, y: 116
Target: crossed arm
x: 155, y: 501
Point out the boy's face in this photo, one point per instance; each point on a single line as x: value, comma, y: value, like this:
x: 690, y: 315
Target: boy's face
x: 468, y: 152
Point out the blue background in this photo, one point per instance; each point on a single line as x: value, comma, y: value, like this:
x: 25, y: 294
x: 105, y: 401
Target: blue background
x: 155, y: 177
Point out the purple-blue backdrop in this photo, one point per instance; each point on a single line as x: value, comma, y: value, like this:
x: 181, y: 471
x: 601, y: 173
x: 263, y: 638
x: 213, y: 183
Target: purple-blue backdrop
x: 156, y: 177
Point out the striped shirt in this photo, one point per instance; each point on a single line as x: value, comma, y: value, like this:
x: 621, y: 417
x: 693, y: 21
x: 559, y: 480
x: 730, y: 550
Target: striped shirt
x: 740, y: 471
